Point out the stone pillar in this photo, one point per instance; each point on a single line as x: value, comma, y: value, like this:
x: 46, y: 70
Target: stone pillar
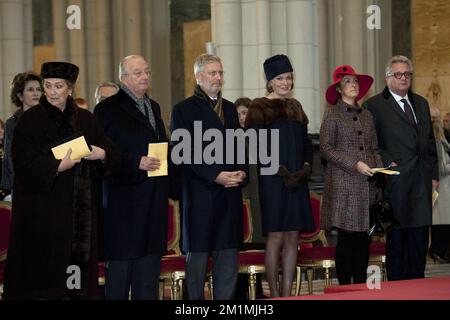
x: 28, y: 30
x: 77, y: 51
x: 60, y: 30
x: 301, y: 36
x: 159, y: 54
x: 132, y: 27
x: 13, y: 48
x: 228, y: 40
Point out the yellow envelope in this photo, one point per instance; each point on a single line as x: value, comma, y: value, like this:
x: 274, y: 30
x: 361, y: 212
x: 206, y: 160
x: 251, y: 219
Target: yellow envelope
x: 79, y: 148
x: 434, y: 197
x: 386, y: 171
x: 158, y: 150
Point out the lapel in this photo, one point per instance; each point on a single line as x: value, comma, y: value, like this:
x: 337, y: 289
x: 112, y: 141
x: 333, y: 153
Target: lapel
x: 213, y: 120
x: 129, y: 106
x: 393, y: 105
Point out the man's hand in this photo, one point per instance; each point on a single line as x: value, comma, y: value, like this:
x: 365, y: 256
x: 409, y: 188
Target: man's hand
x: 149, y: 163
x: 230, y: 179
x: 96, y: 154
x: 67, y: 163
x: 435, y: 184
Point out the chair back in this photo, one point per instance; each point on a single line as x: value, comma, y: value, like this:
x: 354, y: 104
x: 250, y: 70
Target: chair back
x: 5, y: 227
x: 173, y: 228
x: 247, y: 221
x: 317, y: 233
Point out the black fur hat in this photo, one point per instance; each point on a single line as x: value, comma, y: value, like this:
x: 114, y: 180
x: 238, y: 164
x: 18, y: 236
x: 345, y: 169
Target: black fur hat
x: 60, y: 70
x: 276, y: 65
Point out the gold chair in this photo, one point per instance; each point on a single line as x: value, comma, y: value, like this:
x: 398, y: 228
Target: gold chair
x: 251, y: 262
x: 314, y: 257
x: 173, y: 264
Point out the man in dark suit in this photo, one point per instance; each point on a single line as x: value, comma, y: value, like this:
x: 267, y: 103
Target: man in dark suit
x: 134, y: 205
x: 211, y: 195
x: 406, y: 141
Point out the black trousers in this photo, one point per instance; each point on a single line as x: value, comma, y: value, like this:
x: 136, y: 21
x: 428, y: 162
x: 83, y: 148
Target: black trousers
x: 352, y: 257
x: 140, y: 275
x: 440, y: 240
x: 406, y: 253
x: 225, y: 274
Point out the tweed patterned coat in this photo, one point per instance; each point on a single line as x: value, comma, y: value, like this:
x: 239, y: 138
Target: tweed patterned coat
x: 348, y: 135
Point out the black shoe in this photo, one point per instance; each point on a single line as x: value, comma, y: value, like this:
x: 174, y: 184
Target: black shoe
x: 437, y: 259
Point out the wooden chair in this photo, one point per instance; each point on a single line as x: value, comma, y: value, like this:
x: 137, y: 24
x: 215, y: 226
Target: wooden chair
x: 5, y: 229
x: 312, y: 257
x: 173, y: 264
x: 251, y: 262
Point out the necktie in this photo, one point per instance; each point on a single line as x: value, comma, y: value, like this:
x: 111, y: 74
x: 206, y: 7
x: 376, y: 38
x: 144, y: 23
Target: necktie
x: 408, y: 111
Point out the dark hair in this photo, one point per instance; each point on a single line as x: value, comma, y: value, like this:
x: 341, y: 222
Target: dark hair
x: 243, y: 101
x: 18, y: 85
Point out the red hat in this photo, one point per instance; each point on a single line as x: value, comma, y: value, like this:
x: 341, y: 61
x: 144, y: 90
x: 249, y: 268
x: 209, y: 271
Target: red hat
x: 365, y: 81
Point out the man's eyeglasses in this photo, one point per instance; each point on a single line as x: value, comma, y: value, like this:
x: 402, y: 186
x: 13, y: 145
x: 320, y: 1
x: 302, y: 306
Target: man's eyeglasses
x: 212, y: 74
x: 139, y: 73
x: 399, y: 75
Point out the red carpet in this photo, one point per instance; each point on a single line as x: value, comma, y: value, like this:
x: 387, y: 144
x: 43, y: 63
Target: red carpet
x: 419, y: 289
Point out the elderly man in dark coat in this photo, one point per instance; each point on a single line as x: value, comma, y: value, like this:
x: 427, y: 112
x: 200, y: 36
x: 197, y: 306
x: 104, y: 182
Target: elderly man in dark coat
x: 406, y: 141
x: 211, y: 196
x: 135, y: 205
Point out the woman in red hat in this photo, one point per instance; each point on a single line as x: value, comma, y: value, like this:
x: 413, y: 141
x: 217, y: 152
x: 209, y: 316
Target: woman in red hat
x: 284, y: 196
x: 348, y: 142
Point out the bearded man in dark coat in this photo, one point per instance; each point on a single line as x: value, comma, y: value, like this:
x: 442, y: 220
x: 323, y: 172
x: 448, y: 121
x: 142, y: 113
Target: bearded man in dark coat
x: 211, y: 193
x: 135, y: 205
x: 406, y: 140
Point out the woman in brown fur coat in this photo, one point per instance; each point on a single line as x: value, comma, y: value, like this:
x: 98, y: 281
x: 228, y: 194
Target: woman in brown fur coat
x: 284, y: 197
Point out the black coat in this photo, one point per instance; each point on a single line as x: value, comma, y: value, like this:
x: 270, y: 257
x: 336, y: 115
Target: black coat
x: 48, y: 220
x: 211, y: 214
x: 413, y: 149
x: 135, y: 206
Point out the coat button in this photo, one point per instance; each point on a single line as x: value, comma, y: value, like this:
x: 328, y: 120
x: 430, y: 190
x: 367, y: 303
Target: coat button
x: 361, y: 148
x: 359, y: 133
x: 349, y: 109
x: 355, y: 119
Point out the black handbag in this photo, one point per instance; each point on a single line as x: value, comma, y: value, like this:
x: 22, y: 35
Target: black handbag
x: 381, y: 217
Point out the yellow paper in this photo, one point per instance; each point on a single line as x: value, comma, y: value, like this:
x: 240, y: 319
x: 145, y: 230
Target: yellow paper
x: 158, y: 150
x: 386, y: 171
x: 434, y: 197
x: 79, y: 148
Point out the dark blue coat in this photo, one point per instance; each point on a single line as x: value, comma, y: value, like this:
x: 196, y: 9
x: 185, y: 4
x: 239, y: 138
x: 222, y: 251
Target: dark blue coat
x: 134, y: 205
x: 211, y: 214
x: 283, y: 209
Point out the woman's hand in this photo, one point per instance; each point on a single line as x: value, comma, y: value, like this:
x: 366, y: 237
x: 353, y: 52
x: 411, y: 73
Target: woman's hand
x: 96, y: 154
x: 67, y: 163
x: 364, y: 169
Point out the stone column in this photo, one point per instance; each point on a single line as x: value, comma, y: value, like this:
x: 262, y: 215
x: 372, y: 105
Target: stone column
x: 60, y: 30
x: 77, y: 51
x: 228, y: 40
x: 28, y: 30
x: 13, y: 48
x: 132, y: 27
x: 301, y: 36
